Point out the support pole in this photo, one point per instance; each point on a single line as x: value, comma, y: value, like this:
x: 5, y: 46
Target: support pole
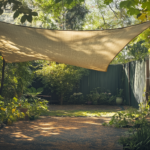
x: 147, y: 79
x: 129, y: 84
x: 2, y: 80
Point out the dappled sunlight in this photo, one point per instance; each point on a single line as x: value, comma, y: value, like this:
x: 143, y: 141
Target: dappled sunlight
x: 51, y: 126
x: 60, y: 133
x: 53, y: 133
x: 108, y: 114
x: 96, y: 113
x: 45, y: 124
x: 91, y: 122
x: 46, y: 127
x: 51, y: 130
x: 21, y: 136
x: 94, y: 121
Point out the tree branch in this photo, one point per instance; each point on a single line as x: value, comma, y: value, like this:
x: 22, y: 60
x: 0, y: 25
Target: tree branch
x: 113, y: 11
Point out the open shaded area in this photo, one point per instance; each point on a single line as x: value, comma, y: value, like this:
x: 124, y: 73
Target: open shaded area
x: 59, y: 133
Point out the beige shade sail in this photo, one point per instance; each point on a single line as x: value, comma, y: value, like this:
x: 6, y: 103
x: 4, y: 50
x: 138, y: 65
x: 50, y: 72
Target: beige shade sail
x: 88, y: 49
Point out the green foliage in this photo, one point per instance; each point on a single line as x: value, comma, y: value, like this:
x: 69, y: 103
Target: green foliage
x: 75, y: 17
x: 107, y: 2
x: 16, y: 14
x: 17, y: 77
x: 138, y: 50
x: 10, y: 110
x: 38, y: 107
x: 138, y: 139
x: 23, y: 103
x: 134, y: 9
x: 104, y: 124
x: 140, y: 11
x: 46, y: 19
x: 76, y: 98
x: 139, y: 8
x: 80, y: 113
x: 19, y: 8
x: 144, y: 36
x: 119, y: 92
x: 121, y: 58
x: 60, y: 77
x: 60, y: 14
x: 106, y: 16
x: 34, y: 92
x: 99, y: 96
x: 56, y: 8
x: 1, y: 11
x: 135, y: 51
x: 130, y: 118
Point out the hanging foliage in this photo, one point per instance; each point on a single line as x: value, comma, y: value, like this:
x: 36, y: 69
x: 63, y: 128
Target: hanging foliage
x: 18, y: 8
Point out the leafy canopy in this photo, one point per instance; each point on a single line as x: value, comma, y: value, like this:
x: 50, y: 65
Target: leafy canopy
x: 140, y: 8
x: 18, y: 9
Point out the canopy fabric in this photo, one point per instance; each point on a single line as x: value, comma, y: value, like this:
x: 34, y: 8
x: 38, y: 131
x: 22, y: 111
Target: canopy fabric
x: 88, y: 49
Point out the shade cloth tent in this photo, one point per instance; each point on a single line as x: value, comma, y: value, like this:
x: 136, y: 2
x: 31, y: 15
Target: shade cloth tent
x: 88, y: 49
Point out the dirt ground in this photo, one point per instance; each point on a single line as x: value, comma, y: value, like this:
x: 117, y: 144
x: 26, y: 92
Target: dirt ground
x: 62, y: 133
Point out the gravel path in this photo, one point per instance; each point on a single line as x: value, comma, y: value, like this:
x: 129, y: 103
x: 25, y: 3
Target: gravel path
x: 61, y: 133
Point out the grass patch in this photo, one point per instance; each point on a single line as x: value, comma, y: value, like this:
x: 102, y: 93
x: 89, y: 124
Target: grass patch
x: 80, y: 113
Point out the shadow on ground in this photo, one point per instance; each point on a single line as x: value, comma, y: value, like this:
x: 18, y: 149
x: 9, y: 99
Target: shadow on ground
x: 61, y: 133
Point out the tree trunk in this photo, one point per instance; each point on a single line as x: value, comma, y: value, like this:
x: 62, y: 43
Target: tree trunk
x: 2, y: 81
x: 61, y: 99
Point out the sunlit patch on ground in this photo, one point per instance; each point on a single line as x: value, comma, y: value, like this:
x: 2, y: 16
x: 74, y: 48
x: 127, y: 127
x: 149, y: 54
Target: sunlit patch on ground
x: 50, y: 132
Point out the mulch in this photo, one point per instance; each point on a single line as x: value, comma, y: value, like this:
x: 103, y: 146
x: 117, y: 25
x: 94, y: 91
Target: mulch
x: 61, y: 133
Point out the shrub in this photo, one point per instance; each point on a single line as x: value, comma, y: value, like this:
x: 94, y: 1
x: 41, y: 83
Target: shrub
x: 128, y: 118
x: 97, y: 96
x: 61, y: 78
x: 138, y: 140
x: 10, y: 112
x: 76, y: 98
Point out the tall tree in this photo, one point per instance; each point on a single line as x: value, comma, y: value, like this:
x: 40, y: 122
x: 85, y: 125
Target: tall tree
x: 75, y: 17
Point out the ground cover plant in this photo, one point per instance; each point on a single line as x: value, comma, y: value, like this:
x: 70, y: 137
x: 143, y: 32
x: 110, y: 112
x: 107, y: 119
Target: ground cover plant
x: 139, y: 139
x: 138, y: 136
x: 10, y: 111
x: 79, y: 113
x: 129, y: 117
